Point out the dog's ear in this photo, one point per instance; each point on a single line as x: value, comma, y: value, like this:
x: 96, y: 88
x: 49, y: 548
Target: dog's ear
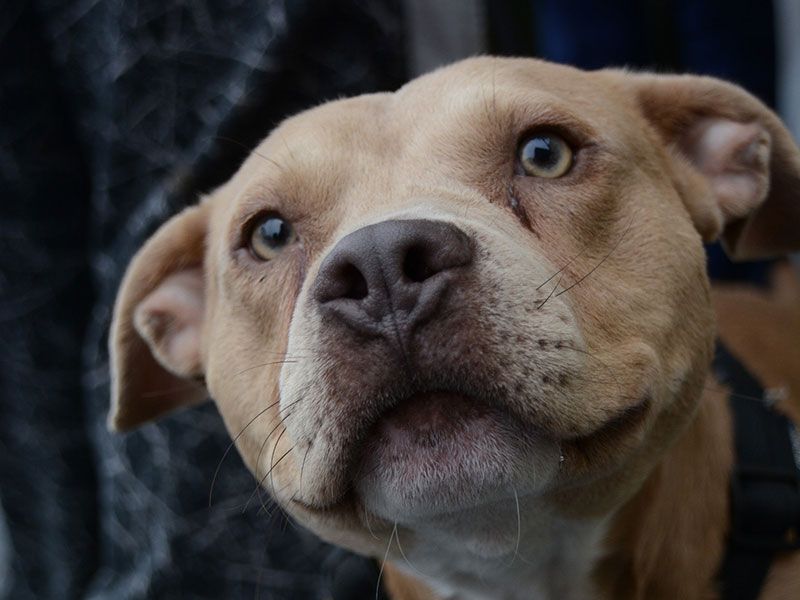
x: 737, y: 166
x: 155, y: 339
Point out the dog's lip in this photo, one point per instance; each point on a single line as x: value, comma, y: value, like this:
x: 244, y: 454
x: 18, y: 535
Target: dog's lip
x: 433, y: 411
x: 427, y: 411
x: 442, y: 451
x: 403, y: 413
x: 403, y: 416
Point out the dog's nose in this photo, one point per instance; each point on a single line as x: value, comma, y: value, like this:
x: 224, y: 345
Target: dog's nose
x: 391, y: 276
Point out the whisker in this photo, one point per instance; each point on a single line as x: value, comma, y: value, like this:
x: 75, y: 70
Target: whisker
x: 302, y: 469
x: 405, y: 558
x: 238, y: 435
x: 257, y: 488
x: 288, y: 149
x: 285, y: 361
x: 550, y: 295
x: 367, y: 523
x: 519, y: 527
x: 561, y: 270
x: 272, y: 462
x: 230, y: 447
x: 726, y: 392
x: 260, y: 482
x: 273, y: 430
x: 271, y: 469
x: 249, y: 150
x: 604, y: 259
x: 383, y: 562
x: 494, y: 88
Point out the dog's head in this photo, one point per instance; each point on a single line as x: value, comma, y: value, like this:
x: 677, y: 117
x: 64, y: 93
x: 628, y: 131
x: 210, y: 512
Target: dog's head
x: 423, y: 309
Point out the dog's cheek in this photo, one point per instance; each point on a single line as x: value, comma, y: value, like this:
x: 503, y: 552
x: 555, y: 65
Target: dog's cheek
x: 522, y: 333
x: 554, y: 370
x: 248, y: 335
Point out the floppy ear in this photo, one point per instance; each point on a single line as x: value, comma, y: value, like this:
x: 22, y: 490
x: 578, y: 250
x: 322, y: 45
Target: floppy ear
x: 155, y: 339
x: 736, y: 164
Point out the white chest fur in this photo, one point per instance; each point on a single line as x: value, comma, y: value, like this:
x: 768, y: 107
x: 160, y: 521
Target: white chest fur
x: 535, y: 557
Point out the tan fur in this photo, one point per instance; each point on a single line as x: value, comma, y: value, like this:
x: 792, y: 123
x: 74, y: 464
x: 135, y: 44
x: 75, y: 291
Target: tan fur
x: 403, y: 587
x: 677, y: 522
x: 762, y: 329
x: 584, y: 321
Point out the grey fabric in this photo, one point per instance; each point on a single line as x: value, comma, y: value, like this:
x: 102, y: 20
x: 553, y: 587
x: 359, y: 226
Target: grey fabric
x: 443, y: 31
x: 113, y: 115
x: 787, y: 32
x: 5, y: 556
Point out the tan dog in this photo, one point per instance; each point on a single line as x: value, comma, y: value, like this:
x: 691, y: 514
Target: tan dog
x: 467, y: 325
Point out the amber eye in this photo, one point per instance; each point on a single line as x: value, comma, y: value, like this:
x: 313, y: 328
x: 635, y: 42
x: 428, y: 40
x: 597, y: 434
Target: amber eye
x: 270, y: 235
x: 545, y: 155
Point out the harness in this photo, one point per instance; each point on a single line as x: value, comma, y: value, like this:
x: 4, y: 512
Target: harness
x: 764, y: 487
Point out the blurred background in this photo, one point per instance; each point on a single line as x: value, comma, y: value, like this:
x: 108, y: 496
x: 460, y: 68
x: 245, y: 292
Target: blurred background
x: 115, y: 114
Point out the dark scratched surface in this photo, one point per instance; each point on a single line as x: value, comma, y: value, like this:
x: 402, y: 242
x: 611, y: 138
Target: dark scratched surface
x: 113, y: 115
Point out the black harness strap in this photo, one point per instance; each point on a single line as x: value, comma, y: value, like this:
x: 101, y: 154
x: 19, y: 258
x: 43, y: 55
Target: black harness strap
x: 765, y: 484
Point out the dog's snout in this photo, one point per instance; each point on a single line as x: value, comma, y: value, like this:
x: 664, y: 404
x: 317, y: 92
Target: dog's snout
x: 394, y: 270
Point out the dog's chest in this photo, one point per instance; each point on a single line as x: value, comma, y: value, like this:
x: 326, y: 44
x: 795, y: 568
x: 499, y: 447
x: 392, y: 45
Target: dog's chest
x: 554, y: 561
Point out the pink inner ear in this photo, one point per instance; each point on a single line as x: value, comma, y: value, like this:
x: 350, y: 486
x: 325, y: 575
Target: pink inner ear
x: 170, y: 320
x: 734, y: 157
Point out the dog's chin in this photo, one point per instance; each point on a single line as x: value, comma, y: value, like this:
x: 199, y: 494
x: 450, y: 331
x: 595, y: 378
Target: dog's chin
x: 439, y: 453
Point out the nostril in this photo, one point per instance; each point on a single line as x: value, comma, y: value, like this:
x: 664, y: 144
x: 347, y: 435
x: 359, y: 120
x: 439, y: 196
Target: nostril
x: 416, y: 264
x: 353, y: 284
x: 387, y: 266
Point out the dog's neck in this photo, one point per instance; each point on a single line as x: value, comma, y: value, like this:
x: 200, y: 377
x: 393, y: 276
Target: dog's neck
x: 675, y: 524
x: 558, y: 569
x: 668, y: 541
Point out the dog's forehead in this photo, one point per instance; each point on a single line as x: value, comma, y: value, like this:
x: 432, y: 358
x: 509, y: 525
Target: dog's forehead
x: 487, y: 75
x: 434, y: 128
x: 467, y: 92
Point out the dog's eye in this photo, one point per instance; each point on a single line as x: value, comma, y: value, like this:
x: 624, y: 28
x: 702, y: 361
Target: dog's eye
x: 270, y: 235
x: 545, y: 155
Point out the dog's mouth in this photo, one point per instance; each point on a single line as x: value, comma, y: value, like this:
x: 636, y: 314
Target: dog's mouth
x: 428, y: 420
x: 438, y: 452
x: 442, y: 451
x: 450, y: 430
x: 430, y: 429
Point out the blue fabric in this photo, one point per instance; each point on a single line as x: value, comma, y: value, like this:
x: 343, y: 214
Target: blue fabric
x: 731, y: 39
x: 590, y: 34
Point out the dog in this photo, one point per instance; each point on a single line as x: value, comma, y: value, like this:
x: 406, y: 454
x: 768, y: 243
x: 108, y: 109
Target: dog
x: 466, y: 328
